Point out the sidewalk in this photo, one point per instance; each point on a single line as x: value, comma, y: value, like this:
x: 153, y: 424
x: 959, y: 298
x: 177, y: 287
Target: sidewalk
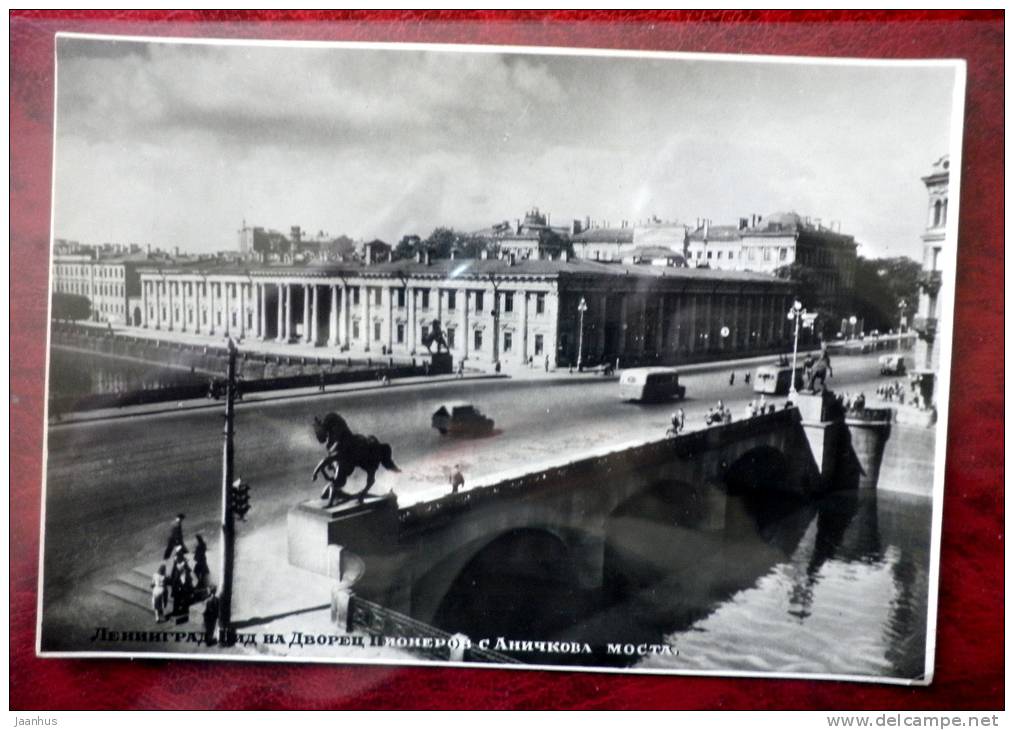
x: 148, y: 409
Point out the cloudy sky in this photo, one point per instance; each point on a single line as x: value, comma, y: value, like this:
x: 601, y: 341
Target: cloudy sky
x: 177, y: 144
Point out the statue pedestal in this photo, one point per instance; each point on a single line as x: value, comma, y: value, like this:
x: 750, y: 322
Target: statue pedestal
x: 441, y: 363
x: 869, y: 431
x: 362, y: 529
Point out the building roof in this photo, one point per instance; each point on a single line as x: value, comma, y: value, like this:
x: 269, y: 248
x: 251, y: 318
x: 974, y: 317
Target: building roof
x: 605, y: 235
x: 718, y: 234
x: 657, y: 252
x: 475, y: 269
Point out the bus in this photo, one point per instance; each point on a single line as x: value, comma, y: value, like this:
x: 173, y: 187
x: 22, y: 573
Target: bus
x: 774, y: 379
x: 651, y: 384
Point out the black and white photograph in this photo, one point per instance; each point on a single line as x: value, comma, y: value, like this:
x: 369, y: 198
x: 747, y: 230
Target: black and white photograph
x: 490, y: 356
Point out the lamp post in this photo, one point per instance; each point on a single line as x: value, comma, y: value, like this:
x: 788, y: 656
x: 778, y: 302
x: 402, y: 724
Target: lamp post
x: 852, y: 327
x: 582, y: 307
x: 795, y: 314
x: 902, y: 308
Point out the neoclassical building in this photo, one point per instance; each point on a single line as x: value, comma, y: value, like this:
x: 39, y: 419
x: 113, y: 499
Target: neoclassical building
x: 489, y: 309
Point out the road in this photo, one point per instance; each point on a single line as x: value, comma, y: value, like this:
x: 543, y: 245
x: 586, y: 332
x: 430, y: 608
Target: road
x: 113, y: 486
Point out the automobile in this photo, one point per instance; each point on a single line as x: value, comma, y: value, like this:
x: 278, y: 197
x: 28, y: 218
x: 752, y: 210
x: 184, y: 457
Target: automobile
x: 461, y: 419
x: 892, y: 365
x: 651, y: 384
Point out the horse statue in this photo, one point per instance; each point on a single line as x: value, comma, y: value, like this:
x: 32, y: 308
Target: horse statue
x: 435, y: 336
x: 345, y: 452
x: 821, y: 371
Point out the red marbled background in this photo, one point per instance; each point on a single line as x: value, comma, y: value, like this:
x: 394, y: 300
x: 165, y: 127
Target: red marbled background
x: 969, y: 664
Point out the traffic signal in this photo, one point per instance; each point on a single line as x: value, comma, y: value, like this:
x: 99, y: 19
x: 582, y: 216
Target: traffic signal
x: 239, y: 497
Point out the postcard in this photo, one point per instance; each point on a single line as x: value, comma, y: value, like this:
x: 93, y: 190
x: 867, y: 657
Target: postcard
x: 506, y: 357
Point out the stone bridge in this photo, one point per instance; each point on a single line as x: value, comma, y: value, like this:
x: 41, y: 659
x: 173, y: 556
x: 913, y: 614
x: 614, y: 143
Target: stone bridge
x: 568, y: 527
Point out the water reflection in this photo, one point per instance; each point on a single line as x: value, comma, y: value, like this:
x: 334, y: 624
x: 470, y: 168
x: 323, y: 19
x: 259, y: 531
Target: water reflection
x: 75, y: 374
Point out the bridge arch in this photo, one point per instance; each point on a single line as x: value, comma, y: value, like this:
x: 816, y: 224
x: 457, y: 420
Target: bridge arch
x: 490, y: 587
x: 762, y: 469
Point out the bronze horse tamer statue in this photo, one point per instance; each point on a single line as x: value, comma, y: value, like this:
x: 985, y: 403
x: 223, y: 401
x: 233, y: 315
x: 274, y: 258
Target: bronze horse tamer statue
x: 345, y: 452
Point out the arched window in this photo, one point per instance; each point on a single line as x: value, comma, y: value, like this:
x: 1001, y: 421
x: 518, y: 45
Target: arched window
x: 943, y: 220
x: 938, y: 213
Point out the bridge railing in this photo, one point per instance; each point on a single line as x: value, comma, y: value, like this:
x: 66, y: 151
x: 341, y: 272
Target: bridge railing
x: 377, y: 620
x: 684, y: 446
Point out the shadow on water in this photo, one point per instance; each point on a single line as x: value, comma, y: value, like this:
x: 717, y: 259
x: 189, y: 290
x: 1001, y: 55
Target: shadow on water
x: 676, y: 554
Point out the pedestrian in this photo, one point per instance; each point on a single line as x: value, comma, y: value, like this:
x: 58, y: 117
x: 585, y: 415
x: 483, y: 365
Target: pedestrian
x: 732, y: 378
x: 322, y: 382
x: 682, y: 420
x: 746, y: 378
x: 182, y: 586
x: 761, y: 405
x: 210, y: 616
x: 497, y: 366
x: 175, y: 537
x: 749, y: 411
x: 158, y: 595
x: 201, y: 570
x: 461, y: 368
x: 457, y: 479
x: 547, y: 363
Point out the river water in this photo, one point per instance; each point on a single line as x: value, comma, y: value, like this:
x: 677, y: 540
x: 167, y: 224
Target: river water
x: 833, y: 586
x: 77, y: 374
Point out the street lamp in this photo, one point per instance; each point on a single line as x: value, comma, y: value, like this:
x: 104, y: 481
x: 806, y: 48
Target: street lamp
x: 902, y: 308
x: 795, y: 314
x: 582, y: 307
x: 852, y: 327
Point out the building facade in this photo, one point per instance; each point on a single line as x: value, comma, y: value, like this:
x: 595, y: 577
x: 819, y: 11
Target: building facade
x: 490, y: 310
x: 107, y: 283
x: 926, y: 321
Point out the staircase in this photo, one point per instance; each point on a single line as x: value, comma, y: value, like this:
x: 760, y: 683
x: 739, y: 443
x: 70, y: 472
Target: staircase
x: 133, y: 587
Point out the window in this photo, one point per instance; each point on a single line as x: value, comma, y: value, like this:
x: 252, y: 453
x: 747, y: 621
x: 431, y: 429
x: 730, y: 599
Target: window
x: 478, y: 301
x: 709, y: 255
x: 355, y: 330
x: 376, y: 296
x: 540, y: 303
x: 538, y: 344
x: 425, y: 298
x: 376, y: 329
x: 401, y: 327
x: 355, y: 298
x: 477, y: 341
x: 401, y: 300
x: 767, y: 253
x: 783, y: 253
x: 450, y: 338
x: 204, y: 317
x: 424, y: 330
x: 719, y: 255
x: 508, y: 340
x: 749, y: 254
x: 508, y: 302
x: 452, y: 299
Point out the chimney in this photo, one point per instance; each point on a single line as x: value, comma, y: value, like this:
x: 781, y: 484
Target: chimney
x: 743, y: 223
x: 368, y: 253
x: 817, y: 223
x: 419, y: 256
x: 176, y: 251
x: 426, y: 257
x: 707, y: 225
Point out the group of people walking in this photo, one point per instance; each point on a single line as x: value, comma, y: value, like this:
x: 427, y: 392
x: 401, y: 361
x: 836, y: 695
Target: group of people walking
x: 893, y: 392
x: 180, y: 580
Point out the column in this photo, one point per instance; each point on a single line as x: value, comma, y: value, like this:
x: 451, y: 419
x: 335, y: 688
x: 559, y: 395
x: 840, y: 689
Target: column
x: 288, y: 313
x: 169, y: 296
x: 315, y: 315
x: 332, y: 317
x: 391, y: 297
x: 262, y: 311
x: 750, y: 342
x: 366, y: 332
x: 464, y: 324
x: 413, y: 319
x: 660, y: 326
x: 524, y: 326
x: 144, y: 304
x: 343, y: 316
x: 280, y: 315
x: 692, y: 334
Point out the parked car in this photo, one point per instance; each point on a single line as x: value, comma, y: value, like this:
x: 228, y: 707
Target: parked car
x: 461, y: 419
x: 892, y: 365
x: 776, y: 379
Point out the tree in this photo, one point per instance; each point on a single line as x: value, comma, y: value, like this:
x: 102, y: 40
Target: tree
x: 407, y: 247
x: 880, y: 285
x: 441, y: 241
x: 70, y: 306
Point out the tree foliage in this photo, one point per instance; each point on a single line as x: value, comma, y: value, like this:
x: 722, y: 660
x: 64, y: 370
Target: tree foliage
x: 70, y: 306
x: 880, y: 285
